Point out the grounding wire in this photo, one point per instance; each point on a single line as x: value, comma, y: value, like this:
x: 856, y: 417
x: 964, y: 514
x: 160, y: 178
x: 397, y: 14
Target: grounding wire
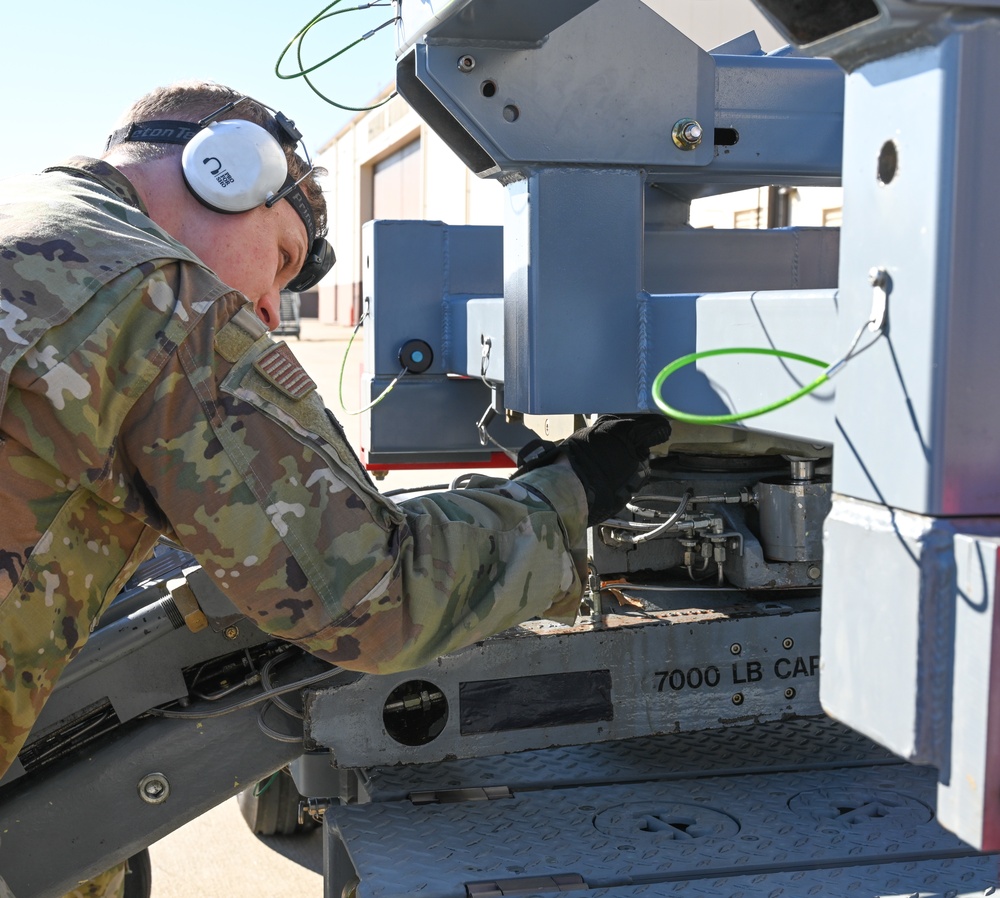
x: 828, y: 372
x: 304, y: 72
x: 343, y: 368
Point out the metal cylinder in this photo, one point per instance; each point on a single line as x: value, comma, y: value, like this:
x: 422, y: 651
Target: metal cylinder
x: 791, y: 517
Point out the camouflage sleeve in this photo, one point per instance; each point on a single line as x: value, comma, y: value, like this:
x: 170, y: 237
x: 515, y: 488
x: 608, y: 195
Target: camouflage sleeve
x: 256, y: 479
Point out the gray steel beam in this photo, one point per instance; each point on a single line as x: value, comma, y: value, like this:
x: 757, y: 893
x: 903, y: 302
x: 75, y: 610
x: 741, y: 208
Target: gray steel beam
x: 709, y: 659
x: 84, y: 813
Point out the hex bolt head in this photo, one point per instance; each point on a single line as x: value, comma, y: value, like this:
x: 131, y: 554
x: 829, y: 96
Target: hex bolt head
x: 687, y: 134
x: 154, y: 788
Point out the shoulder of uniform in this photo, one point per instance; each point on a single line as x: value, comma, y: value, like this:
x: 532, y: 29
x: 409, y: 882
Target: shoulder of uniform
x: 104, y: 174
x: 238, y: 334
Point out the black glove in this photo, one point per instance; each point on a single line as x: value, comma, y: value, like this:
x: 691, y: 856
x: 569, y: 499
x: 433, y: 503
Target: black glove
x: 611, y: 458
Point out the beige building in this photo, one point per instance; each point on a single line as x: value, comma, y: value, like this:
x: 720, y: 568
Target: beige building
x: 388, y: 164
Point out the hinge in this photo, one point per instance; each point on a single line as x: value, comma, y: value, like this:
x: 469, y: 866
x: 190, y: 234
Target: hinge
x: 455, y: 796
x: 526, y: 885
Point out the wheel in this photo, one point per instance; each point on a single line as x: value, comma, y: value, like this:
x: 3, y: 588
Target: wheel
x: 271, y: 807
x: 139, y: 876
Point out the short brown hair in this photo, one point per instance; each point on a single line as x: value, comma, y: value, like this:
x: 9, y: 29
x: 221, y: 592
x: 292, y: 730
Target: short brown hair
x: 191, y: 101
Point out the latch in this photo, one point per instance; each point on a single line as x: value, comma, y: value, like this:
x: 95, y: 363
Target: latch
x: 456, y: 796
x: 526, y: 885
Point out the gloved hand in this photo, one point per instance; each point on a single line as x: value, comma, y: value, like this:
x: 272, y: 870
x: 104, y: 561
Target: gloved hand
x: 611, y: 458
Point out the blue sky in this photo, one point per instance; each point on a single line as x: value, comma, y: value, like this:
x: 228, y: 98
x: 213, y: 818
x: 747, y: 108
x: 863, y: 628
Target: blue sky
x: 71, y: 70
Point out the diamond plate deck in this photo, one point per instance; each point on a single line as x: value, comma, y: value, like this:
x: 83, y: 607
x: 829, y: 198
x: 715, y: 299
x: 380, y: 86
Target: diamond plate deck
x: 794, y: 744
x: 805, y: 808
x: 958, y: 878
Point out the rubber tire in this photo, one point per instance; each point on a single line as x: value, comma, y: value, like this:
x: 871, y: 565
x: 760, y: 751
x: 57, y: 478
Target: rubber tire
x: 275, y: 812
x: 139, y: 879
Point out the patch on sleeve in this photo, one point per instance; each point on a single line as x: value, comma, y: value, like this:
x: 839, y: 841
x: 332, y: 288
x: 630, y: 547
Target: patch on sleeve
x: 280, y: 367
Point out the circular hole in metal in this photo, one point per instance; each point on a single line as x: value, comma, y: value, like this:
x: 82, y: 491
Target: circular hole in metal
x: 488, y: 88
x: 511, y: 113
x: 888, y: 162
x: 415, y: 712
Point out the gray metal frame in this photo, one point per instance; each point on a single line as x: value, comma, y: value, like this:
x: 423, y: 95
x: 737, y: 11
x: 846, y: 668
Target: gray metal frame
x: 709, y: 660
x: 601, y: 288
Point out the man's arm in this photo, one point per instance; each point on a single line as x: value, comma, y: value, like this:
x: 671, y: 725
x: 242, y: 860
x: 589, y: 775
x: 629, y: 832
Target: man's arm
x: 259, y: 484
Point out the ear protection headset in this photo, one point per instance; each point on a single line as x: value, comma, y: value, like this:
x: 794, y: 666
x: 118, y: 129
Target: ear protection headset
x: 235, y: 165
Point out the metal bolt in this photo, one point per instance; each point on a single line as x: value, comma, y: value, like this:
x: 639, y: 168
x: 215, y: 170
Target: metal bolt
x: 466, y: 63
x: 738, y: 698
x: 802, y: 468
x: 735, y: 648
x: 878, y: 277
x: 789, y: 692
x: 154, y: 788
x: 787, y: 642
x: 687, y: 134
x: 814, y: 572
x: 232, y: 632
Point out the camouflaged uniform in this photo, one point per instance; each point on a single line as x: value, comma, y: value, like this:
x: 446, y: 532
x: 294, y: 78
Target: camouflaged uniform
x: 142, y: 396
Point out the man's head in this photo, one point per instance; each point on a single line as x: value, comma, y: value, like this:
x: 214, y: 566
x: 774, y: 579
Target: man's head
x: 257, y: 251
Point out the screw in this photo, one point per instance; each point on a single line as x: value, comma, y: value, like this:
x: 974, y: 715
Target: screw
x: 466, y: 63
x: 232, y: 632
x: 789, y: 692
x: 154, y: 788
x: 787, y: 642
x: 735, y: 648
x: 686, y: 134
x: 738, y: 698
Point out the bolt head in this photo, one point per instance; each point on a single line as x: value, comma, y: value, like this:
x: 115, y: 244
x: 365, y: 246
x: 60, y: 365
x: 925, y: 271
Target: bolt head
x: 878, y: 277
x: 687, y: 134
x: 154, y: 788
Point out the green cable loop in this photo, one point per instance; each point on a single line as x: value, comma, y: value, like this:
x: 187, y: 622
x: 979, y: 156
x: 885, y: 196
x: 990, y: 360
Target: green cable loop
x: 736, y: 416
x: 304, y: 72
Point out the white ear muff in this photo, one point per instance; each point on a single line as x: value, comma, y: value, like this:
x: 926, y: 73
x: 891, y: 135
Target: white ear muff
x: 233, y: 165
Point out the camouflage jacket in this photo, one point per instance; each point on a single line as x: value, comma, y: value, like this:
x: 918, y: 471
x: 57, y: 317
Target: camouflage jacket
x: 141, y: 396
